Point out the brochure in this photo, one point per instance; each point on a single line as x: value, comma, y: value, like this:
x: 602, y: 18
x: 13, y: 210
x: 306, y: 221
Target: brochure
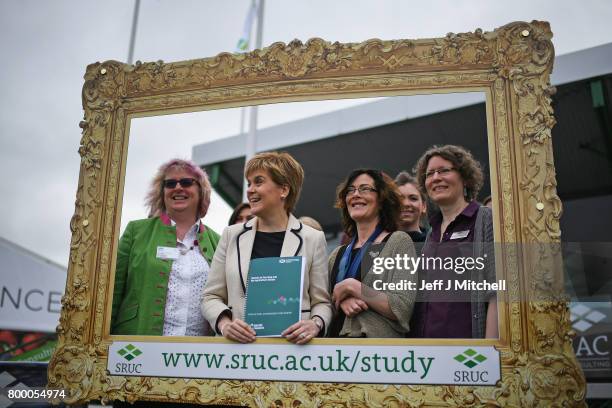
x: 274, y: 294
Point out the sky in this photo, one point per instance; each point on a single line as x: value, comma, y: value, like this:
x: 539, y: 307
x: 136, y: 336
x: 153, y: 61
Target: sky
x: 46, y: 45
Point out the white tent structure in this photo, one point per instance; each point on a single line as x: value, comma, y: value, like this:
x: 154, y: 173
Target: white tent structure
x: 31, y: 289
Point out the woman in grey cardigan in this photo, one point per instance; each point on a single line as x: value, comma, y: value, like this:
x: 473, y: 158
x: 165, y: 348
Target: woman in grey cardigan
x: 364, y: 307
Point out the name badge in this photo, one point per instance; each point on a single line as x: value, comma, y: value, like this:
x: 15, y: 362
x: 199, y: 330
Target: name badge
x: 167, y: 253
x: 460, y: 234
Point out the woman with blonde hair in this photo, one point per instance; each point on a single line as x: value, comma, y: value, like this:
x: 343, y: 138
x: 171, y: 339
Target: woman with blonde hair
x: 311, y: 222
x: 274, y: 185
x: 163, y: 261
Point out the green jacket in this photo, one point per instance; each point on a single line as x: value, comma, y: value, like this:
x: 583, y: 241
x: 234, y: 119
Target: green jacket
x: 141, y: 279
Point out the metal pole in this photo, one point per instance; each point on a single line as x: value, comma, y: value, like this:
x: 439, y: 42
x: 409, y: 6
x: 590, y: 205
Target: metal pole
x: 251, y: 140
x: 133, y: 35
x: 260, y: 14
x: 242, y: 119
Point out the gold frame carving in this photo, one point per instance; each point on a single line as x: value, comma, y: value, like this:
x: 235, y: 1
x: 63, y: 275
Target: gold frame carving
x: 511, y: 64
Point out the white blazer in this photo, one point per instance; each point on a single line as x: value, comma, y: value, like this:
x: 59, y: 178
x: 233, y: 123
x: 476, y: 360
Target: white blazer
x: 226, y: 285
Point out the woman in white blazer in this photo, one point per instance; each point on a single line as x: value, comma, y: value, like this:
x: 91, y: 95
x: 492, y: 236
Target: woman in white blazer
x: 274, y: 184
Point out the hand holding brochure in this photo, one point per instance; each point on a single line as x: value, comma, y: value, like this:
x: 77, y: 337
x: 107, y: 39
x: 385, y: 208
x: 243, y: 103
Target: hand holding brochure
x: 274, y: 294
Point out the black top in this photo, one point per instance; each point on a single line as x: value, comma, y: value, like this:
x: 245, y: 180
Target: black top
x: 366, y: 263
x: 267, y: 244
x: 417, y: 236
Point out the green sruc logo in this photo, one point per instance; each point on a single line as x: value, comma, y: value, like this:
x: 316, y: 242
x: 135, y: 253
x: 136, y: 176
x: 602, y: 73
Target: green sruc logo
x: 129, y: 352
x: 470, y: 358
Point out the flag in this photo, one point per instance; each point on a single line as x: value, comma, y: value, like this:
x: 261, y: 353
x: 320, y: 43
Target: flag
x: 243, y: 42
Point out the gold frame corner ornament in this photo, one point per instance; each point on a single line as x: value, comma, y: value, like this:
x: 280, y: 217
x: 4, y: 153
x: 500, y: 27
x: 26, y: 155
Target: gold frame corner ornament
x: 512, y: 64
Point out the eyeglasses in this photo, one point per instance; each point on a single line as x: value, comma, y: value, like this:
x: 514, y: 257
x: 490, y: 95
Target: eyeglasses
x: 442, y: 171
x: 363, y: 189
x: 184, y: 182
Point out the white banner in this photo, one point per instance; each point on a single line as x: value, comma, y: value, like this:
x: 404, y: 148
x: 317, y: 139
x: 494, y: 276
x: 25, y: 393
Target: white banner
x: 31, y: 290
x: 371, y: 364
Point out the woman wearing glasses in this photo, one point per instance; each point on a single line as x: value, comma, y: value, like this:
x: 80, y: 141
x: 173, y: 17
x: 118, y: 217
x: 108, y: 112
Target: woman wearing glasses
x: 275, y: 181
x: 451, y: 178
x: 163, y: 261
x: 370, y: 203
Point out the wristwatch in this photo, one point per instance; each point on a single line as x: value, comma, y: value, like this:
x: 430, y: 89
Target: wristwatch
x: 319, y: 322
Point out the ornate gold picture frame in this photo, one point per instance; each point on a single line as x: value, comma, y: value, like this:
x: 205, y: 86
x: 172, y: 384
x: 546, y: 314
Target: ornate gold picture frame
x: 511, y: 65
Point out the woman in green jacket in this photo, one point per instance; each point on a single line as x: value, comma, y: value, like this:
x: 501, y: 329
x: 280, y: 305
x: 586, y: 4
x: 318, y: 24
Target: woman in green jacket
x: 163, y: 261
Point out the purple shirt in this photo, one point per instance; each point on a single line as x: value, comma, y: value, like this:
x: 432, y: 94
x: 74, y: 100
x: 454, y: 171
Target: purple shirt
x: 436, y: 316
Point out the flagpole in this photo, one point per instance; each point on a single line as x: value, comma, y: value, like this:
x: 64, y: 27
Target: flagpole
x: 244, y: 45
x: 251, y: 139
x: 133, y: 34
x: 242, y: 119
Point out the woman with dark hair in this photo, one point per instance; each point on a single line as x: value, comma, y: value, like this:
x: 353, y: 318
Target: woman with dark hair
x: 241, y: 214
x: 452, y: 178
x: 370, y: 205
x: 274, y: 185
x: 163, y: 261
x: 413, y: 207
